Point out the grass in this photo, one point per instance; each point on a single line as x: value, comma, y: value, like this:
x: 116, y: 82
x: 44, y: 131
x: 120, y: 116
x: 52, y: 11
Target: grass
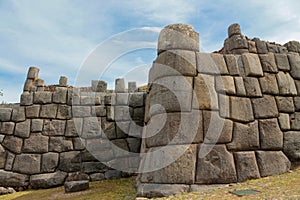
x: 285, y: 186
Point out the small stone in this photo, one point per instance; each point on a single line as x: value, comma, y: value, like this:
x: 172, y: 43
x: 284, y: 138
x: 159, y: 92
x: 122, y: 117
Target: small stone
x: 97, y: 177
x: 284, y: 121
x: 240, y: 86
x: 161, y: 190
x: 37, y: 125
x: 64, y: 112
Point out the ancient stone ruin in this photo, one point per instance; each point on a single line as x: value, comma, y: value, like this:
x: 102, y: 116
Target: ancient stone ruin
x: 206, y: 118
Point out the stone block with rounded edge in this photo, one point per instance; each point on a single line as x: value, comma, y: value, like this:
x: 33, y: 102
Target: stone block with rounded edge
x: 13, y: 144
x: 91, y: 127
x: 265, y: 107
x: 245, y: 137
x: 272, y: 163
x: 33, y: 111
x: 294, y: 59
x: 174, y: 62
x: 178, y: 36
x: 216, y: 129
x: 5, y: 114
x: 282, y: 62
x: 291, y: 145
x: 174, y: 128
x: 232, y: 65
x: 47, y: 180
x: 60, y: 95
x: 60, y: 144
x: 122, y: 98
x: 224, y: 104
x: 261, y: 46
x: 120, y: 85
x: 18, y: 114
x: 178, y: 163
x: 268, y: 84
x: 48, y: 111
x: 7, y: 128
x: 33, y: 72
x: 268, y: 62
x: 295, y: 121
x: 137, y: 99
x: 284, y: 121
x: 76, y: 186
x: 252, y: 87
x: 240, y: 86
x: 69, y: 161
x: 286, y: 84
x: 271, y: 137
x: 27, y: 164
x: 12, y: 179
x: 211, y: 64
x: 22, y: 129
x: 215, y: 167
x: 241, y: 109
x: 161, y: 190
x: 234, y: 29
x: 252, y: 65
x: 225, y: 84
x: 54, y: 127
x: 49, y: 162
x: 81, y: 111
x: 26, y: 99
x: 246, y: 166
x: 205, y: 94
x: 36, y: 143
x: 42, y: 97
x: 285, y: 104
x: 64, y: 112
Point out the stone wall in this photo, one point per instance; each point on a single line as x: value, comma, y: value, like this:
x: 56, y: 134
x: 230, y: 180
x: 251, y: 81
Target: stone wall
x: 59, y: 131
x: 219, y: 118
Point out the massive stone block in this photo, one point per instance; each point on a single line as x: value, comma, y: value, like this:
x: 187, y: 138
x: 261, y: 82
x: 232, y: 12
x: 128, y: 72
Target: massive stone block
x: 246, y: 166
x: 286, y: 84
x: 174, y: 128
x: 37, y: 143
x: 23, y: 129
x: 60, y: 144
x: 232, y: 65
x: 252, y: 87
x: 271, y: 137
x: 294, y: 59
x: 11, y: 179
x: 27, y: 164
x: 49, y: 162
x: 48, y: 111
x: 225, y: 84
x: 205, y: 95
x: 252, y: 64
x: 54, y: 127
x: 179, y: 163
x: 47, y: 180
x: 211, y: 64
x: 245, y: 137
x: 265, y: 107
x: 241, y: 109
x: 215, y: 167
x: 60, y: 95
x: 5, y: 114
x: 272, y: 163
x: 282, y: 62
x: 42, y: 97
x: 268, y: 84
x: 13, y: 144
x: 268, y: 62
x: 285, y: 104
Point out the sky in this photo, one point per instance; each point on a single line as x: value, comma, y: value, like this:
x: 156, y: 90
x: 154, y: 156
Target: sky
x: 63, y: 37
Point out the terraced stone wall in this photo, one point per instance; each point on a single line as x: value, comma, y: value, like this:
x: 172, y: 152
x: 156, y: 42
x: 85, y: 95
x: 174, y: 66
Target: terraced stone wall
x: 59, y: 132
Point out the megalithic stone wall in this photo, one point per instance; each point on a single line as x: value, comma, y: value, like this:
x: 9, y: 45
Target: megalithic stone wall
x: 221, y: 117
x: 60, y: 132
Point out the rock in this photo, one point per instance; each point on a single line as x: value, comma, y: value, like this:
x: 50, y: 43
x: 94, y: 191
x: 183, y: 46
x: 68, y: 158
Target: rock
x: 60, y: 144
x: 161, y: 190
x: 177, y: 164
x: 245, y: 137
x: 205, y: 95
x: 178, y: 36
x: 215, y: 167
x: 297, y: 103
x: 271, y: 137
x: 9, y: 161
x: 49, y: 162
x: 100, y: 111
x: 26, y: 99
x: 225, y: 84
x: 216, y: 129
x: 265, y: 107
x: 47, y: 180
x: 219, y: 61
x: 42, y: 97
x: 240, y: 87
x: 272, y: 48
x: 268, y: 62
x: 8, y: 190
x: 112, y: 174
x: 27, y: 163
x: 63, y: 81
x: 7, y: 128
x: 122, y: 99
x: 5, y: 114
x: 174, y: 128
x: 234, y: 29
x: 252, y: 87
x: 97, y: 177
x: 60, y: 95
x: 12, y: 179
x: 211, y: 64
x: 13, y: 144
x: 2, y: 157
x: 282, y: 62
x: 224, y: 104
x: 174, y: 63
x: 18, y: 114
x: 99, y: 86
x: 291, y: 145
x: 252, y: 64
x: 122, y: 129
x: 110, y: 99
x: 91, y: 127
x: 33, y: 72
x: 252, y: 46
x: 272, y: 163
x: 137, y: 99
x: 293, y: 46
x: 132, y: 86
x: 74, y: 127
x: 232, y: 65
x: 108, y: 129
x: 295, y: 121
x: 110, y: 110
x: 69, y: 161
x: 286, y: 84
x: 93, y: 167
x: 48, y: 111
x: 120, y: 147
x: 64, y: 112
x: 134, y: 144
x: 284, y: 121
x: 78, y: 143
x: 81, y: 111
x: 76, y: 186
x: 294, y: 59
x: 261, y: 46
x: 241, y: 109
x: 33, y: 111
x: 268, y: 84
x: 120, y: 85
x: 37, y: 125
x: 54, y: 127
x: 246, y: 166
x: 37, y: 143
x: 285, y: 104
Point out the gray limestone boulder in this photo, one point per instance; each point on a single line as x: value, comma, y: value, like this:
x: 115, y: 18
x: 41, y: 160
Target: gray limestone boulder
x: 12, y: 179
x: 246, y: 166
x: 161, y: 190
x: 48, y: 180
x: 291, y: 145
x: 76, y: 186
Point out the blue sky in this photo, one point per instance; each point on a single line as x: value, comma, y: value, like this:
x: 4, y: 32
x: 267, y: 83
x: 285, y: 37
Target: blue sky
x: 59, y: 35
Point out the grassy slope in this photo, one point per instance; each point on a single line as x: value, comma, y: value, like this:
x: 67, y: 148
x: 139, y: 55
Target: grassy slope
x: 285, y: 186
